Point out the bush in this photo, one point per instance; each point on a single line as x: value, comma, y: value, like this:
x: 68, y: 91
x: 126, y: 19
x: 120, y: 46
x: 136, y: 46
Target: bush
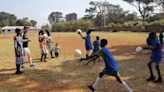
x: 109, y: 25
x: 119, y: 25
x: 113, y: 25
x: 145, y: 23
x: 72, y: 25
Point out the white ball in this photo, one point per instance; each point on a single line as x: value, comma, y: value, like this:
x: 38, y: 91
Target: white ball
x: 77, y: 53
x: 45, y: 35
x: 78, y: 30
x: 139, y: 49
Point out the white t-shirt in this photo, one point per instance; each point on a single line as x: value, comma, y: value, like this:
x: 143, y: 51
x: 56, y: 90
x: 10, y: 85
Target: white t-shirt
x: 57, y: 49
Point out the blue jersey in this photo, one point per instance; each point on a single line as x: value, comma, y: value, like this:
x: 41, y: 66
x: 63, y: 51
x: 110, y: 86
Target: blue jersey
x: 149, y: 41
x: 161, y: 40
x: 88, y: 44
x: 156, y: 55
x: 110, y: 63
x: 96, y: 46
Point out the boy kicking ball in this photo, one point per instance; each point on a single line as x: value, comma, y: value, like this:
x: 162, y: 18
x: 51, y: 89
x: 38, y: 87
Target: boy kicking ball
x: 156, y: 57
x: 111, y: 68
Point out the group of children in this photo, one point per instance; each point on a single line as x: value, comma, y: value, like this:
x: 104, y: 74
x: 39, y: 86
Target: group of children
x: 21, y: 47
x: 111, y: 66
x: 46, y: 45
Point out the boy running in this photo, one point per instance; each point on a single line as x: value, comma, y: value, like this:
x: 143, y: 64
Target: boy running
x: 111, y: 68
x: 156, y: 57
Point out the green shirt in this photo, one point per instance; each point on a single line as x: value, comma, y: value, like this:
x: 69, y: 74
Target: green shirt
x: 101, y: 54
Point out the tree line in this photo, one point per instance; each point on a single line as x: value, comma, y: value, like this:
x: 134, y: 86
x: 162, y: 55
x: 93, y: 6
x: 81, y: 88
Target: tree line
x: 7, y: 19
x: 102, y: 13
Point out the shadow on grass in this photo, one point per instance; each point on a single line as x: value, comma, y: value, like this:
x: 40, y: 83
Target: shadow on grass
x: 3, y: 70
x: 121, y: 49
x: 70, y: 75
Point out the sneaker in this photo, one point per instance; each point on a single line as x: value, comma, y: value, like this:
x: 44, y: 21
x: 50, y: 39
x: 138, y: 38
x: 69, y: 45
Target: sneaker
x: 159, y: 80
x: 32, y: 65
x: 23, y: 67
x: 91, y: 88
x: 152, y: 78
x: 18, y: 72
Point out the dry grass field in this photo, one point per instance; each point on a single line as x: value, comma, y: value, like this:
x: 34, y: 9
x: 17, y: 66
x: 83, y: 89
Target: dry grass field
x: 66, y: 74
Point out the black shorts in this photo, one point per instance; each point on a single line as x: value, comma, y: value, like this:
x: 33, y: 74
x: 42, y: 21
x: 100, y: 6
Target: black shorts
x: 56, y: 54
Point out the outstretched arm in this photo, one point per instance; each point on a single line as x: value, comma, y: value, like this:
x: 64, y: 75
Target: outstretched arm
x: 25, y: 40
x: 81, y: 35
x: 91, y: 58
x: 152, y: 48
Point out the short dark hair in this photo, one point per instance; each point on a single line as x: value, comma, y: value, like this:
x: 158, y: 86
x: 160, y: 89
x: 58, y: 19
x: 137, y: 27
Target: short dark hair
x: 41, y: 32
x: 26, y: 27
x: 104, y: 42
x: 97, y: 37
x: 152, y: 35
x: 17, y: 30
x: 89, y: 31
x: 48, y: 33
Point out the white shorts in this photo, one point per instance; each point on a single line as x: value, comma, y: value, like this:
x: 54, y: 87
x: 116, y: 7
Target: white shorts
x: 26, y: 51
x: 88, y: 52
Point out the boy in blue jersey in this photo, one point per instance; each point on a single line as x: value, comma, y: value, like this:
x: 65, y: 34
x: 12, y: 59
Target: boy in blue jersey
x: 96, y: 45
x: 156, y: 57
x: 111, y: 68
x: 88, y: 44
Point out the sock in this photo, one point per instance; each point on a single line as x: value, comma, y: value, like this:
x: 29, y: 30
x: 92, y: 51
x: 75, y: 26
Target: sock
x: 45, y: 57
x: 150, y: 69
x: 42, y: 57
x: 97, y: 81
x: 126, y: 86
x: 18, y: 67
x: 51, y: 54
x: 158, y: 70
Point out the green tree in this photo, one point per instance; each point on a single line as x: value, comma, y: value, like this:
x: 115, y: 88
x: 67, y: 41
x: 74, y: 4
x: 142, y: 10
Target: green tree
x: 55, y: 17
x: 33, y: 22
x: 11, y: 18
x: 47, y: 27
x: 160, y: 5
x: 144, y: 7
x: 28, y: 24
x: 72, y: 25
x: 4, y: 23
x: 20, y: 22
